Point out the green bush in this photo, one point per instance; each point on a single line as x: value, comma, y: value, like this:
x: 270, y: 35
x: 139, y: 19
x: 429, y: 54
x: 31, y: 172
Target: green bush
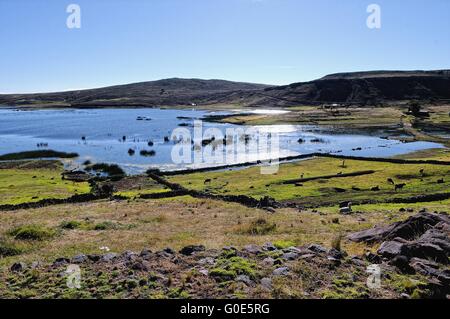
x: 9, y: 249
x: 72, y: 224
x: 104, y: 226
x: 32, y: 232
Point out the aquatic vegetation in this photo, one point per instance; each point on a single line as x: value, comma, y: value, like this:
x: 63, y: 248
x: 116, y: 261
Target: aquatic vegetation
x: 148, y: 153
x: 112, y: 170
x: 36, y: 154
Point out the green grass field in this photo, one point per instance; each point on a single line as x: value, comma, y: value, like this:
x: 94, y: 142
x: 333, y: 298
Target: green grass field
x: 321, y: 190
x: 31, y: 181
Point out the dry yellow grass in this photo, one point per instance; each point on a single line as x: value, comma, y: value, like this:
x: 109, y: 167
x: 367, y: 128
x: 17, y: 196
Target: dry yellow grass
x: 181, y: 221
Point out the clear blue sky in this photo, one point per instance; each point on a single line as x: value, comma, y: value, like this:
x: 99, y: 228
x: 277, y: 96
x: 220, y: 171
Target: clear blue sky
x: 264, y: 41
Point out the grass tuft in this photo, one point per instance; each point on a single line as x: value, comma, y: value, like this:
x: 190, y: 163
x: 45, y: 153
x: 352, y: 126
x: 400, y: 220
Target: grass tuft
x: 32, y: 232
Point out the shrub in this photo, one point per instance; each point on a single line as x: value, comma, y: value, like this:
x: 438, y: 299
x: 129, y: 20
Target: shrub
x: 336, y: 242
x: 72, y: 224
x: 260, y: 227
x: 104, y: 226
x: 32, y: 232
x: 9, y: 249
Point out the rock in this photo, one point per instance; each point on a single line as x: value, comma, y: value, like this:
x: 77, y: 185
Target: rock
x: 191, y: 249
x: 317, y: 249
x: 204, y: 271
x: 253, y: 249
x: 430, y: 268
x: 79, y: 259
x: 425, y: 251
x: 269, y: 247
x: 335, y: 261
x: 35, y: 265
x: 108, y: 257
x: 437, y: 236
x: 60, y: 262
x: 138, y: 265
x: 300, y: 251
x: 206, y: 261
x: 372, y: 258
x: 282, y: 271
x: 290, y: 256
x: 390, y: 249
x: 336, y: 253
x: 357, y: 261
x: 18, y: 267
x: 94, y: 258
x: 129, y: 255
x: 145, y: 253
x: 402, y: 263
x: 245, y: 279
x: 268, y: 202
x: 307, y: 256
x: 269, y: 261
x: 169, y: 251
x: 266, y: 283
x: 409, y: 229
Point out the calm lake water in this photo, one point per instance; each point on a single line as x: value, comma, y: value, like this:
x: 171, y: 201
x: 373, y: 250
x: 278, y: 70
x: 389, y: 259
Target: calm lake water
x: 103, y: 131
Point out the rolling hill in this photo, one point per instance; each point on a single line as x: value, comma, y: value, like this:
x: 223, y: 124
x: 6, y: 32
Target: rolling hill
x: 359, y: 88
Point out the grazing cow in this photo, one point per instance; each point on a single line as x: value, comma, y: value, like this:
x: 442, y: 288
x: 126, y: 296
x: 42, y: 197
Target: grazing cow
x: 390, y: 181
x: 375, y: 189
x: 207, y: 181
x: 440, y: 181
x: 421, y: 171
x: 399, y: 186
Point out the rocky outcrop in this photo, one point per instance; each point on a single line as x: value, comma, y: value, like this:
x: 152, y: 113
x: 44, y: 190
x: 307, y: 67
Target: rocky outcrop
x: 419, y: 244
x: 408, y: 229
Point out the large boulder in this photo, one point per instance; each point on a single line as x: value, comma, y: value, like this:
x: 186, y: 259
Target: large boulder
x: 390, y: 249
x: 411, y: 228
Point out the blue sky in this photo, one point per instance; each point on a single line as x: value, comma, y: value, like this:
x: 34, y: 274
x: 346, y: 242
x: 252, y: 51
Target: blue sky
x: 263, y: 41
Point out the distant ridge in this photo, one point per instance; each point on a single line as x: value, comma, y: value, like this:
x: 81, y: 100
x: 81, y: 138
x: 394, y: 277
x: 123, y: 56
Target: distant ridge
x: 166, y: 92
x: 363, y: 88
x: 358, y: 88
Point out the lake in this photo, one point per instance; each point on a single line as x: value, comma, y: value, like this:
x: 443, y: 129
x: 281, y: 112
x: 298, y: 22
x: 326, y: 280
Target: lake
x: 107, y: 135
